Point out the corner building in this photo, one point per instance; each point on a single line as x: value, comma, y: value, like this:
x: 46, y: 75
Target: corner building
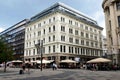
x: 112, y: 19
x: 66, y: 34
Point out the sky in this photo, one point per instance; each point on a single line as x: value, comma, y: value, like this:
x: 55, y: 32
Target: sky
x: 13, y: 11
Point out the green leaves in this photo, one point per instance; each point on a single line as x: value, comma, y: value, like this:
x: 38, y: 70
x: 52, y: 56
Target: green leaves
x: 5, y: 51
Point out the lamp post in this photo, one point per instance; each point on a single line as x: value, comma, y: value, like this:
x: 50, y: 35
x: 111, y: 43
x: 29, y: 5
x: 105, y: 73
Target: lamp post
x: 39, y: 46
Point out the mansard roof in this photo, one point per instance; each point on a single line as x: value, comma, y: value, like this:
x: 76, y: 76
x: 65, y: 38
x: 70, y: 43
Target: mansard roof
x: 61, y: 7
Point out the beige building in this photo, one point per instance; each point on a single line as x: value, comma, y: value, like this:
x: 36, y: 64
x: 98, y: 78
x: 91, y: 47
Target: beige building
x: 66, y: 34
x: 112, y: 19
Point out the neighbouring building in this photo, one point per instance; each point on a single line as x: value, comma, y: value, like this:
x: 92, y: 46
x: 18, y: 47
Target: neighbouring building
x: 66, y: 34
x: 112, y: 19
x: 105, y: 51
x: 15, y: 36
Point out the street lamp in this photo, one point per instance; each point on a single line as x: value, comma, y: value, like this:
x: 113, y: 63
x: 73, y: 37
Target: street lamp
x: 39, y: 47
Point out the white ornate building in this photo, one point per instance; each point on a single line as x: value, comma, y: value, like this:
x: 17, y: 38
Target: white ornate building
x: 66, y: 34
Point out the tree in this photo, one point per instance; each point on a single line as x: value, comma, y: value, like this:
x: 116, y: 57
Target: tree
x: 6, y: 52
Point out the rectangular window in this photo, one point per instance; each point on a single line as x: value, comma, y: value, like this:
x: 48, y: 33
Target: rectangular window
x: 29, y: 52
x: 72, y: 49
x: 34, y: 42
x: 86, y: 27
x: 49, y: 49
x: 63, y: 28
x: 49, y: 38
x: 49, y: 20
x: 91, y: 36
x: 38, y: 41
x: 62, y: 19
x: 33, y: 51
x: 76, y: 23
x: 70, y: 31
x: 53, y: 48
x: 53, y: 37
x: 61, y: 48
x: 78, y: 51
x: 110, y: 24
x: 81, y: 50
x: 75, y: 50
x: 28, y: 29
x: 44, y: 31
x: 49, y: 29
x: 44, y: 22
x: 43, y: 50
x: 34, y: 34
x: 87, y: 35
x: 69, y: 49
x: 91, y: 29
x: 87, y: 43
x: 96, y: 44
x: 43, y: 40
x: 62, y: 38
x: 34, y: 26
x: 70, y: 22
x: 71, y: 40
x: 64, y: 48
x: 119, y: 21
x: 82, y: 42
x: 92, y: 45
x: 108, y: 11
x: 95, y: 37
x: 39, y: 33
x: 95, y: 30
x: 76, y: 32
x: 81, y: 25
x: 77, y: 41
x: 53, y: 18
x: 53, y: 27
x: 82, y: 34
x: 118, y: 5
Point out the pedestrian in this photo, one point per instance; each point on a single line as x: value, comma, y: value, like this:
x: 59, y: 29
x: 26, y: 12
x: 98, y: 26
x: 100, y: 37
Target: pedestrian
x: 54, y: 66
x: 29, y: 66
x: 23, y: 66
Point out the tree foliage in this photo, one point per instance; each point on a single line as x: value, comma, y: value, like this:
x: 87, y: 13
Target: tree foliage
x: 6, y: 52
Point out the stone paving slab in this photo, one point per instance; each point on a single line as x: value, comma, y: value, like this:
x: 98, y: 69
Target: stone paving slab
x: 60, y: 74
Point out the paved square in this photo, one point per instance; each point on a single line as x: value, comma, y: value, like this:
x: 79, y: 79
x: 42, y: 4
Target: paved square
x: 60, y: 74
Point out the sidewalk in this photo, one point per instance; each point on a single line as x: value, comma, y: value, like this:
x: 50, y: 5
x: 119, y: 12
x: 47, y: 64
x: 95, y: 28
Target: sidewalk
x: 13, y: 74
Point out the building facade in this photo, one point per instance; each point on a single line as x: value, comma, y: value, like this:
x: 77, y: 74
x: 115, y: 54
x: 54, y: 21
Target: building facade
x: 15, y: 36
x: 105, y: 51
x: 66, y: 34
x: 112, y: 18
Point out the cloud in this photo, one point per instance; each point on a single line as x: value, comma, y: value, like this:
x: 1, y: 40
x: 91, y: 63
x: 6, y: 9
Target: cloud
x: 1, y: 29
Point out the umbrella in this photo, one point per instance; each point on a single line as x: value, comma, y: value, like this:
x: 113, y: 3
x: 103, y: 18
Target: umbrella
x: 99, y: 60
x: 51, y: 61
x: 17, y: 61
x: 33, y: 61
x: 43, y: 61
x: 68, y: 61
x: 26, y: 61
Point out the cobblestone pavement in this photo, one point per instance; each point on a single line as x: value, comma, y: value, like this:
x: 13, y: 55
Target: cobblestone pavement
x: 60, y: 74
